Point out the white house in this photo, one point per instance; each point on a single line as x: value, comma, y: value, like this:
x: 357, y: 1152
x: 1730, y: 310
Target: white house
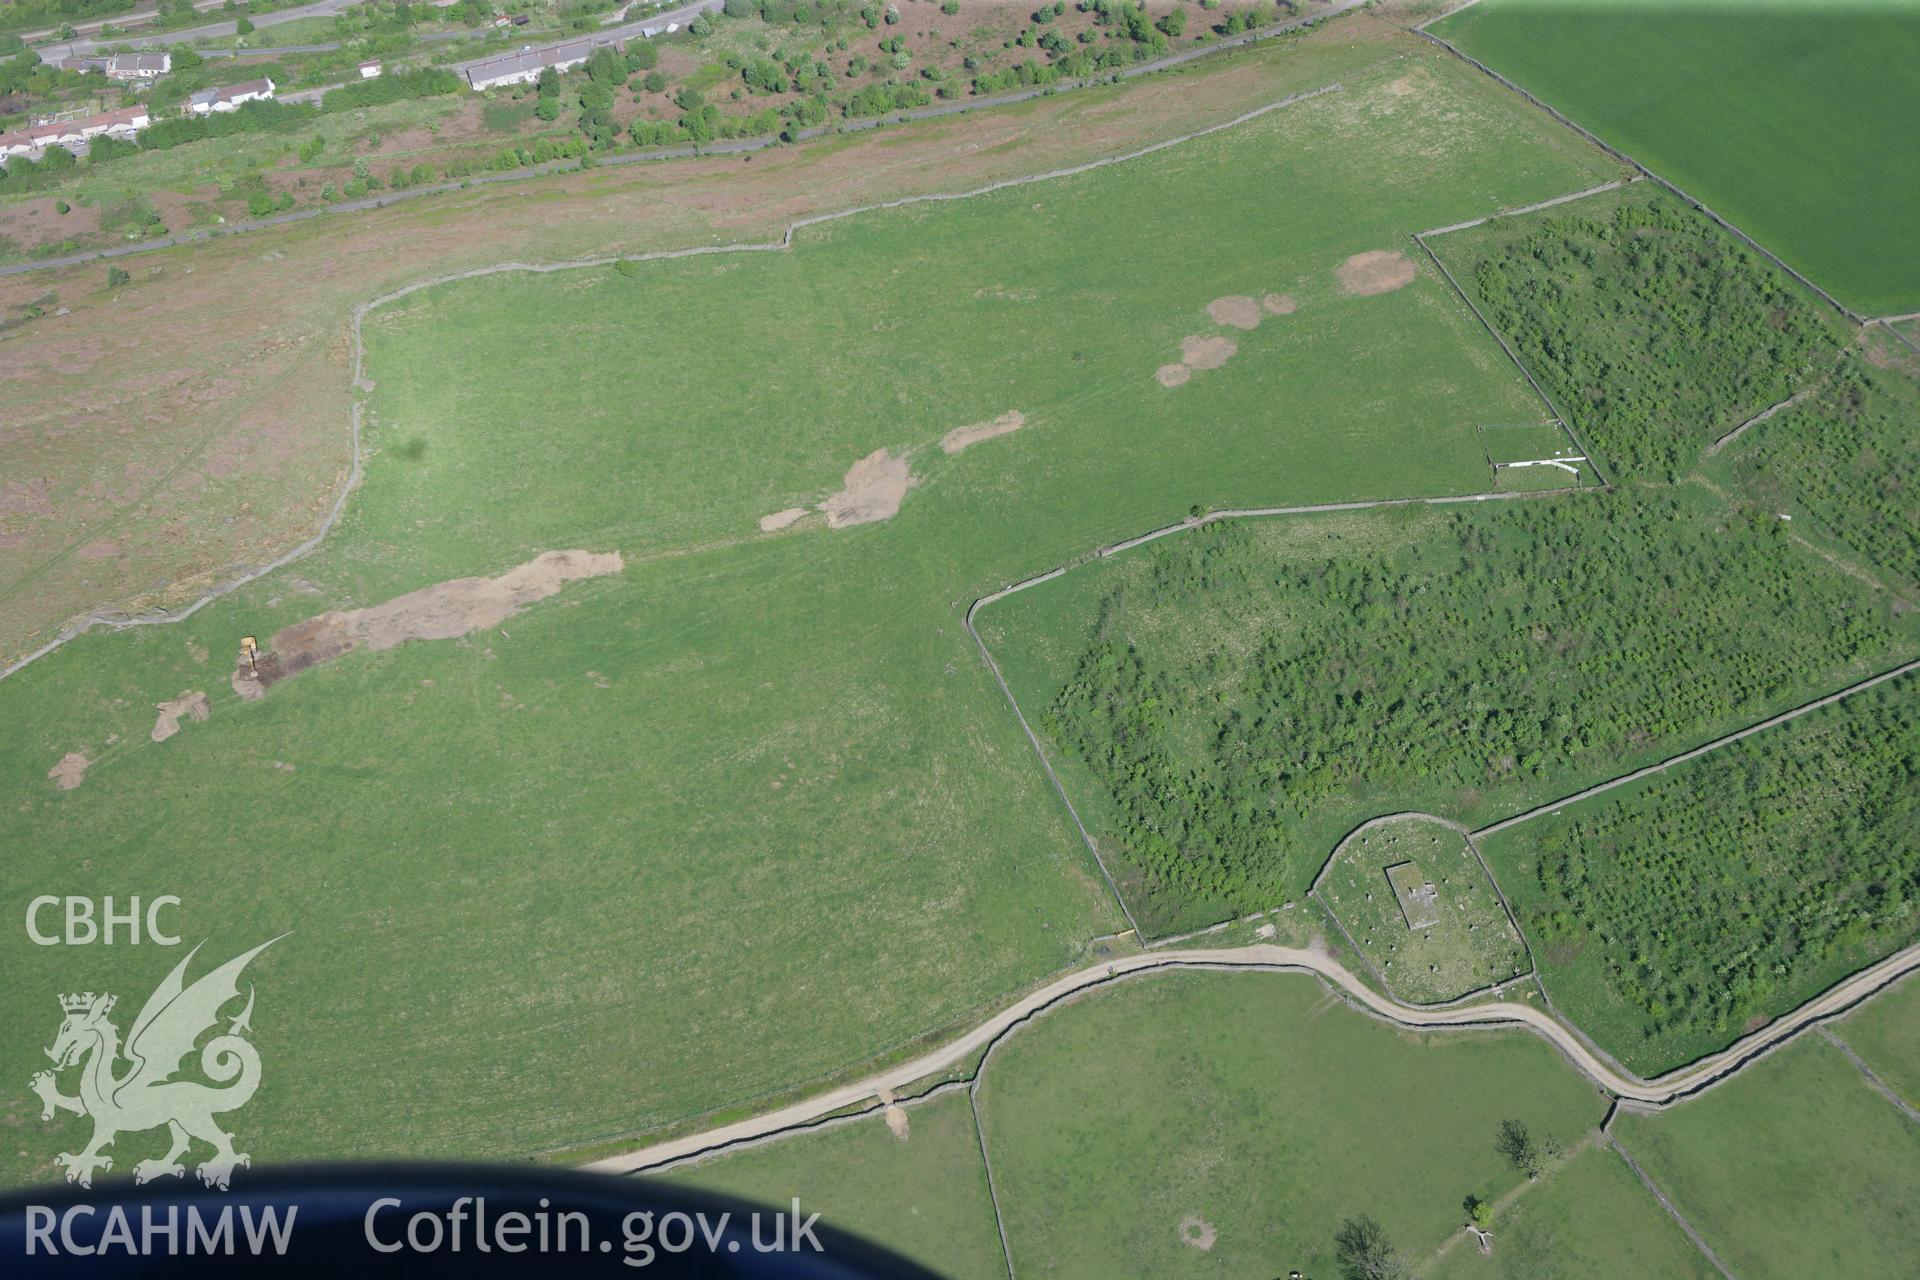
x: 229, y: 98
x: 122, y: 66
x: 370, y: 69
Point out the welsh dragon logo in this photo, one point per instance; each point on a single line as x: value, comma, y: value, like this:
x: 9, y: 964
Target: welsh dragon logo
x: 146, y: 1095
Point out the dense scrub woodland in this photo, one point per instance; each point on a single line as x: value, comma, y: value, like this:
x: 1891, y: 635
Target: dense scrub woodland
x: 1669, y: 914
x: 1653, y: 329
x: 1490, y: 661
x: 1848, y: 458
x: 1245, y: 693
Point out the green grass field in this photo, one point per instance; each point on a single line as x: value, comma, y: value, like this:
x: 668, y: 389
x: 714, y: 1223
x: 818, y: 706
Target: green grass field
x: 751, y: 811
x: 1464, y: 940
x: 1885, y: 1032
x: 1256, y: 1105
x: 924, y: 1198
x: 1586, y: 1219
x: 1794, y: 1168
x: 1777, y: 115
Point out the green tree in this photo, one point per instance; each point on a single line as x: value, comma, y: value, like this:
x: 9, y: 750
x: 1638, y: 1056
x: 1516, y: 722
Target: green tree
x: 655, y: 82
x: 1174, y: 23
x: 243, y: 26
x: 1363, y: 1252
x: 116, y: 277
x: 1520, y: 1148
x: 1479, y: 1211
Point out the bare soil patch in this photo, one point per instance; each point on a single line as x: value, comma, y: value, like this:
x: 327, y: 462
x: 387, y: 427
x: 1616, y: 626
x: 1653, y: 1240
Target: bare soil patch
x: 875, y: 486
x: 1236, y: 310
x: 192, y: 704
x: 897, y: 1125
x: 1206, y: 351
x: 1197, y: 1233
x: 960, y: 437
x: 1375, y: 271
x: 444, y: 611
x: 1279, y: 304
x: 781, y: 519
x: 1173, y: 375
x: 71, y: 771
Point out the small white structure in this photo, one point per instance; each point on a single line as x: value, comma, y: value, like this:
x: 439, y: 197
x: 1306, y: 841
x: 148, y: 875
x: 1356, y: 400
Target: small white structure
x: 370, y: 69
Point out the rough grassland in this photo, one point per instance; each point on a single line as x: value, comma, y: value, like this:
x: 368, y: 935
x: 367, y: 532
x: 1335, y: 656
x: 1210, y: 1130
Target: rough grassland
x: 1801, y: 1129
x: 1587, y: 1219
x: 1261, y: 1107
x: 225, y: 460
x: 925, y: 1198
x: 1671, y: 916
x: 1885, y: 1032
x: 1782, y: 117
x: 751, y: 811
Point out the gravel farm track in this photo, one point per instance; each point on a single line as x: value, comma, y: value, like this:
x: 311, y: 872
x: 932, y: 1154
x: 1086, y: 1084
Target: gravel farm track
x: 1665, y: 1090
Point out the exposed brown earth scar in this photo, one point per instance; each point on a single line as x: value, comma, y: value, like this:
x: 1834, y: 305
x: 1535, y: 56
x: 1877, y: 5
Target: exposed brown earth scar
x: 71, y: 771
x: 444, y: 611
x: 1237, y: 310
x: 1279, y: 304
x: 1207, y: 351
x: 874, y: 488
x: 192, y: 704
x: 1374, y: 272
x: 960, y: 437
x: 781, y: 519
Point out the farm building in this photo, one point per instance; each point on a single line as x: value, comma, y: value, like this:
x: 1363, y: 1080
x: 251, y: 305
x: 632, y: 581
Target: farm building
x: 122, y: 66
x: 370, y: 68
x: 525, y: 65
x: 229, y: 98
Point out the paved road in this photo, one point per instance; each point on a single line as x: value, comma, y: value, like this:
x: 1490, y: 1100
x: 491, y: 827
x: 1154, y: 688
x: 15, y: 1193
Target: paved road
x: 213, y: 30
x: 625, y: 31
x: 1653, y: 1093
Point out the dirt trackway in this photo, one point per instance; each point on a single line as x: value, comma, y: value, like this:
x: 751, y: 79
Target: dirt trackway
x: 1266, y: 956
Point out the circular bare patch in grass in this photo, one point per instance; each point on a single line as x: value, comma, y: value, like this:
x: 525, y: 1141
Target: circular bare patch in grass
x: 1172, y: 375
x: 1240, y: 312
x: 1376, y: 271
x: 1280, y: 304
x: 1207, y: 352
x: 1197, y: 1233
